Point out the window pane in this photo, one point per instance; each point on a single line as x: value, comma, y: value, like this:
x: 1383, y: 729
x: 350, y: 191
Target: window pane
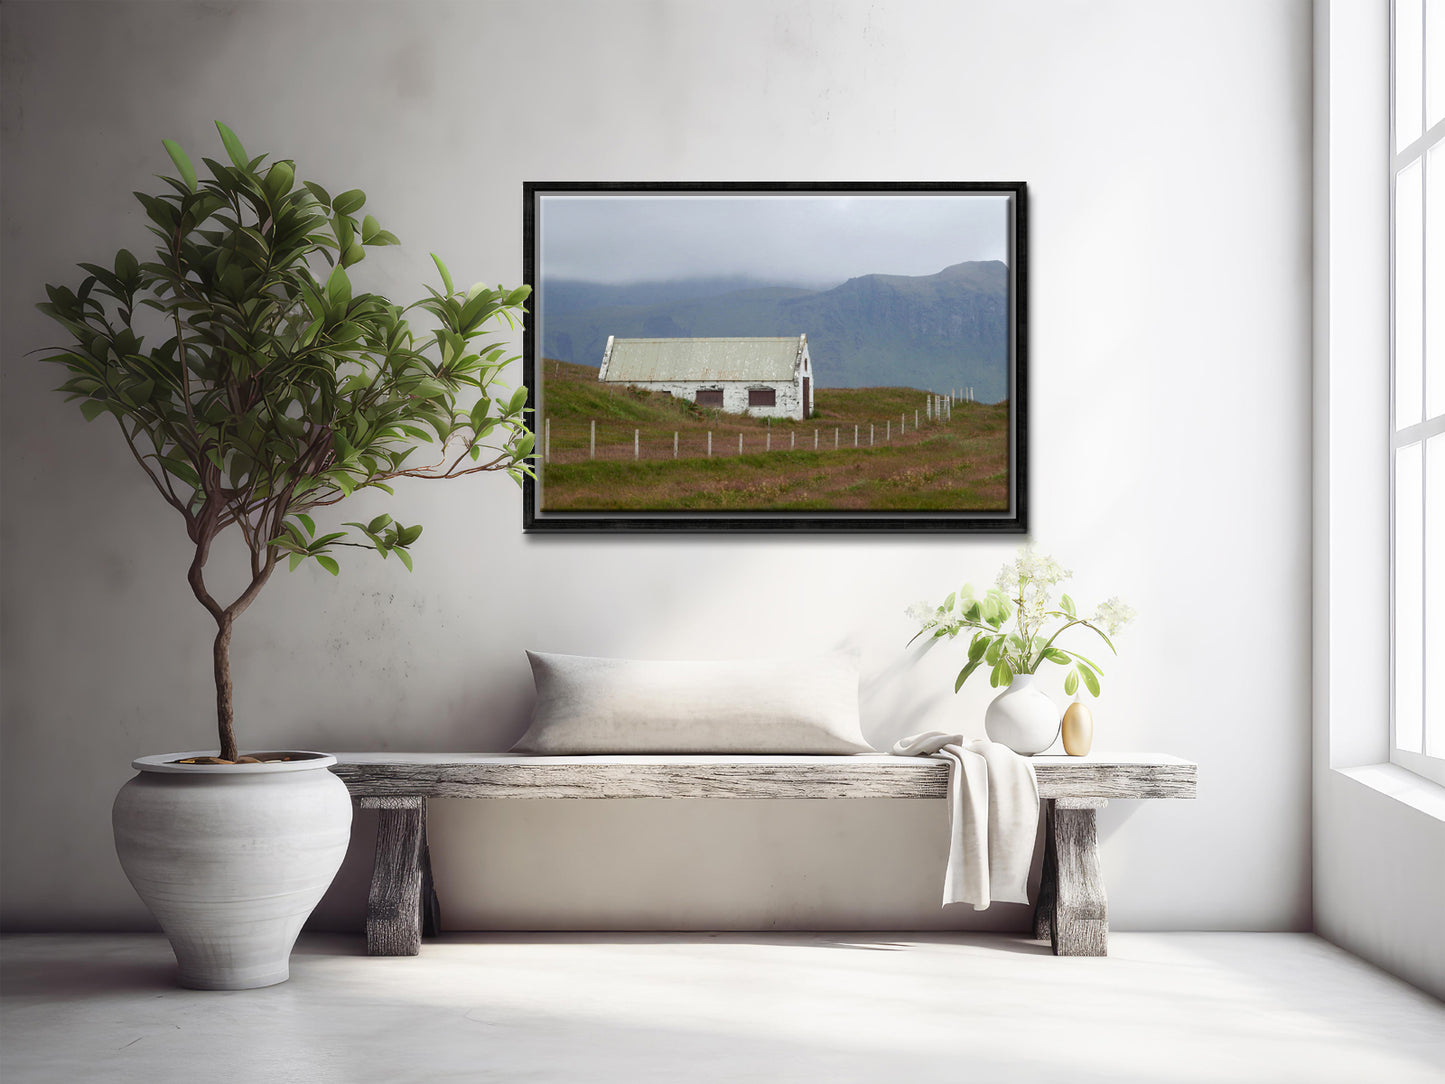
x: 1408, y: 58
x: 1434, y: 61
x: 1435, y: 273
x: 1409, y: 283
x: 1434, y: 546
x: 1409, y: 556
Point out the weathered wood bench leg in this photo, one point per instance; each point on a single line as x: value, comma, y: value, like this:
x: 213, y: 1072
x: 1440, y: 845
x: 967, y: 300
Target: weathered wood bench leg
x: 1044, y: 905
x: 393, y: 908
x: 1080, y: 924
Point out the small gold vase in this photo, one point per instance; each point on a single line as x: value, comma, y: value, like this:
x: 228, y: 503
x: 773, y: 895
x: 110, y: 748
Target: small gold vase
x: 1078, y: 728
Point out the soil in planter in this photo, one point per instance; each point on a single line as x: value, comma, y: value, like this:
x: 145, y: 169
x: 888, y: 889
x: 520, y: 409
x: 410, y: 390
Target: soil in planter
x: 265, y: 758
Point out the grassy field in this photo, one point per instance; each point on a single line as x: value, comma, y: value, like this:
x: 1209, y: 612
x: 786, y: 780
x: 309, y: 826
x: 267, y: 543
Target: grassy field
x: 785, y: 466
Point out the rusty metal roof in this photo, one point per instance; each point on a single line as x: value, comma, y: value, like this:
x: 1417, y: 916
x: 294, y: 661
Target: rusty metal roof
x: 633, y: 360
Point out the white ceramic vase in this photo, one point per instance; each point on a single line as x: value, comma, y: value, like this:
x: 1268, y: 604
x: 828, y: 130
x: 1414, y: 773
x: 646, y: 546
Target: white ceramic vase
x: 231, y: 859
x: 1022, y: 717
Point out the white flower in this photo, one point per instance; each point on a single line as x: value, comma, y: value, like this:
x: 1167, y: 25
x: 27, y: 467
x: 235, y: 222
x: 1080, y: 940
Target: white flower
x: 1029, y: 580
x: 923, y: 613
x: 1113, y: 615
x: 1030, y: 567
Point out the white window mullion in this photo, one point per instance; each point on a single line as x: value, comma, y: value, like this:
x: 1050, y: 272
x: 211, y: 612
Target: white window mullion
x: 1417, y: 387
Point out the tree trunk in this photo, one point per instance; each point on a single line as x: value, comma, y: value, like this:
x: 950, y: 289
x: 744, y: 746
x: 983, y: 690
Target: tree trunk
x: 225, y: 711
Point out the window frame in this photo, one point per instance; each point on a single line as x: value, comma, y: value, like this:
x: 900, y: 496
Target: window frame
x: 1429, y: 761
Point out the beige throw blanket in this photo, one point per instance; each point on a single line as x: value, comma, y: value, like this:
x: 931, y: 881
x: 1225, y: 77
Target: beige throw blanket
x: 993, y: 817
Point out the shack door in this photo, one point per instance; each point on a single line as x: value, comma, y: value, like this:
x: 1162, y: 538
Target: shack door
x: 807, y: 397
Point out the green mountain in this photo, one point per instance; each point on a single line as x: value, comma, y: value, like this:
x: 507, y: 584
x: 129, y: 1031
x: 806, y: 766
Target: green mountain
x: 938, y: 332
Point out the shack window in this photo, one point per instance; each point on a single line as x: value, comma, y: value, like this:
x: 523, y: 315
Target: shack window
x: 710, y: 397
x: 762, y: 397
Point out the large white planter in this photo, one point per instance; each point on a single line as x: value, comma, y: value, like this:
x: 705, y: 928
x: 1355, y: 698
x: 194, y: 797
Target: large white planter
x: 231, y: 859
x: 1022, y: 717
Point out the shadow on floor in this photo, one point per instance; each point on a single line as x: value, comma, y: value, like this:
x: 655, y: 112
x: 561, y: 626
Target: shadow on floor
x: 865, y: 942
x: 70, y: 979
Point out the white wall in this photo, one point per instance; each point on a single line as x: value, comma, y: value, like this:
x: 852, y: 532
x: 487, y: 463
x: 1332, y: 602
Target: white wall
x: 1167, y: 149
x: 1379, y: 832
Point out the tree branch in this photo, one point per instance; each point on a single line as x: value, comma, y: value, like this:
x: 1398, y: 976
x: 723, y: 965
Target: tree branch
x: 169, y: 497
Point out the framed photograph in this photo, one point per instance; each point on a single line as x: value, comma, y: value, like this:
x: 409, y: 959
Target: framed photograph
x: 777, y: 356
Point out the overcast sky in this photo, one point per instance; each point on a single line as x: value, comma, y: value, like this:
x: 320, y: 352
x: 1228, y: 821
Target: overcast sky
x: 809, y: 240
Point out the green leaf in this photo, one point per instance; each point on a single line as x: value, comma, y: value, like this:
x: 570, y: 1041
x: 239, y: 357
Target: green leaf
x: 405, y: 536
x: 446, y: 275
x: 308, y: 523
x: 405, y: 558
x: 479, y: 411
x: 978, y: 646
x: 328, y: 563
x: 126, y: 267
x: 1001, y: 675
x: 338, y: 286
x: 354, y: 254
x: 345, y: 232
x: 94, y: 408
x: 183, y: 163
x: 279, y: 179
x: 1089, y: 679
x: 294, y: 560
x: 1071, y: 683
x: 378, y: 523
x: 994, y: 652
x: 239, y: 158
x: 349, y: 202
x: 1068, y: 605
x: 963, y: 674
x: 370, y: 227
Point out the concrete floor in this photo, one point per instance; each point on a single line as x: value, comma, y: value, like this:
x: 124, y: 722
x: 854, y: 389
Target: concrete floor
x: 729, y: 1007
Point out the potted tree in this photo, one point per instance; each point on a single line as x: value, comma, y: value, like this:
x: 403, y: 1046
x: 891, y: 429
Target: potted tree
x: 254, y: 385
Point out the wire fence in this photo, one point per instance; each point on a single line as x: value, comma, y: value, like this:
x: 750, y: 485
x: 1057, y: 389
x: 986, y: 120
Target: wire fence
x: 613, y: 442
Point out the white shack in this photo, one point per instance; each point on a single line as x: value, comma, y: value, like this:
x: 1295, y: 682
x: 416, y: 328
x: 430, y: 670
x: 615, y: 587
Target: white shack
x: 768, y: 378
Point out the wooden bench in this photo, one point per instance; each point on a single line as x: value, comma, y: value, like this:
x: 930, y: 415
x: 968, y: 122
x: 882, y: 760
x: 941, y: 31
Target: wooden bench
x: 1071, y: 911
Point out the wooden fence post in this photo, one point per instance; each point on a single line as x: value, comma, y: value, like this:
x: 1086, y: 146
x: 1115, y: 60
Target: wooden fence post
x: 709, y: 443
x: 870, y: 434
x: 836, y: 439
x: 793, y: 442
x: 637, y: 444
x: 769, y: 447
x: 902, y: 423
x: 855, y: 436
x: 547, y: 441
x: 888, y: 433
x: 674, y: 444
x: 592, y: 453
x: 815, y: 440
x: 740, y: 443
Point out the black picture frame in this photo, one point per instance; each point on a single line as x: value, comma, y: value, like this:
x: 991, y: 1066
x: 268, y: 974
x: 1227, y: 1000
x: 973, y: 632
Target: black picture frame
x: 1010, y: 518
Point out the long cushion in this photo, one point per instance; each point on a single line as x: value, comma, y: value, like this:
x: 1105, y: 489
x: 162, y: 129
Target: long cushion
x: 590, y: 705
